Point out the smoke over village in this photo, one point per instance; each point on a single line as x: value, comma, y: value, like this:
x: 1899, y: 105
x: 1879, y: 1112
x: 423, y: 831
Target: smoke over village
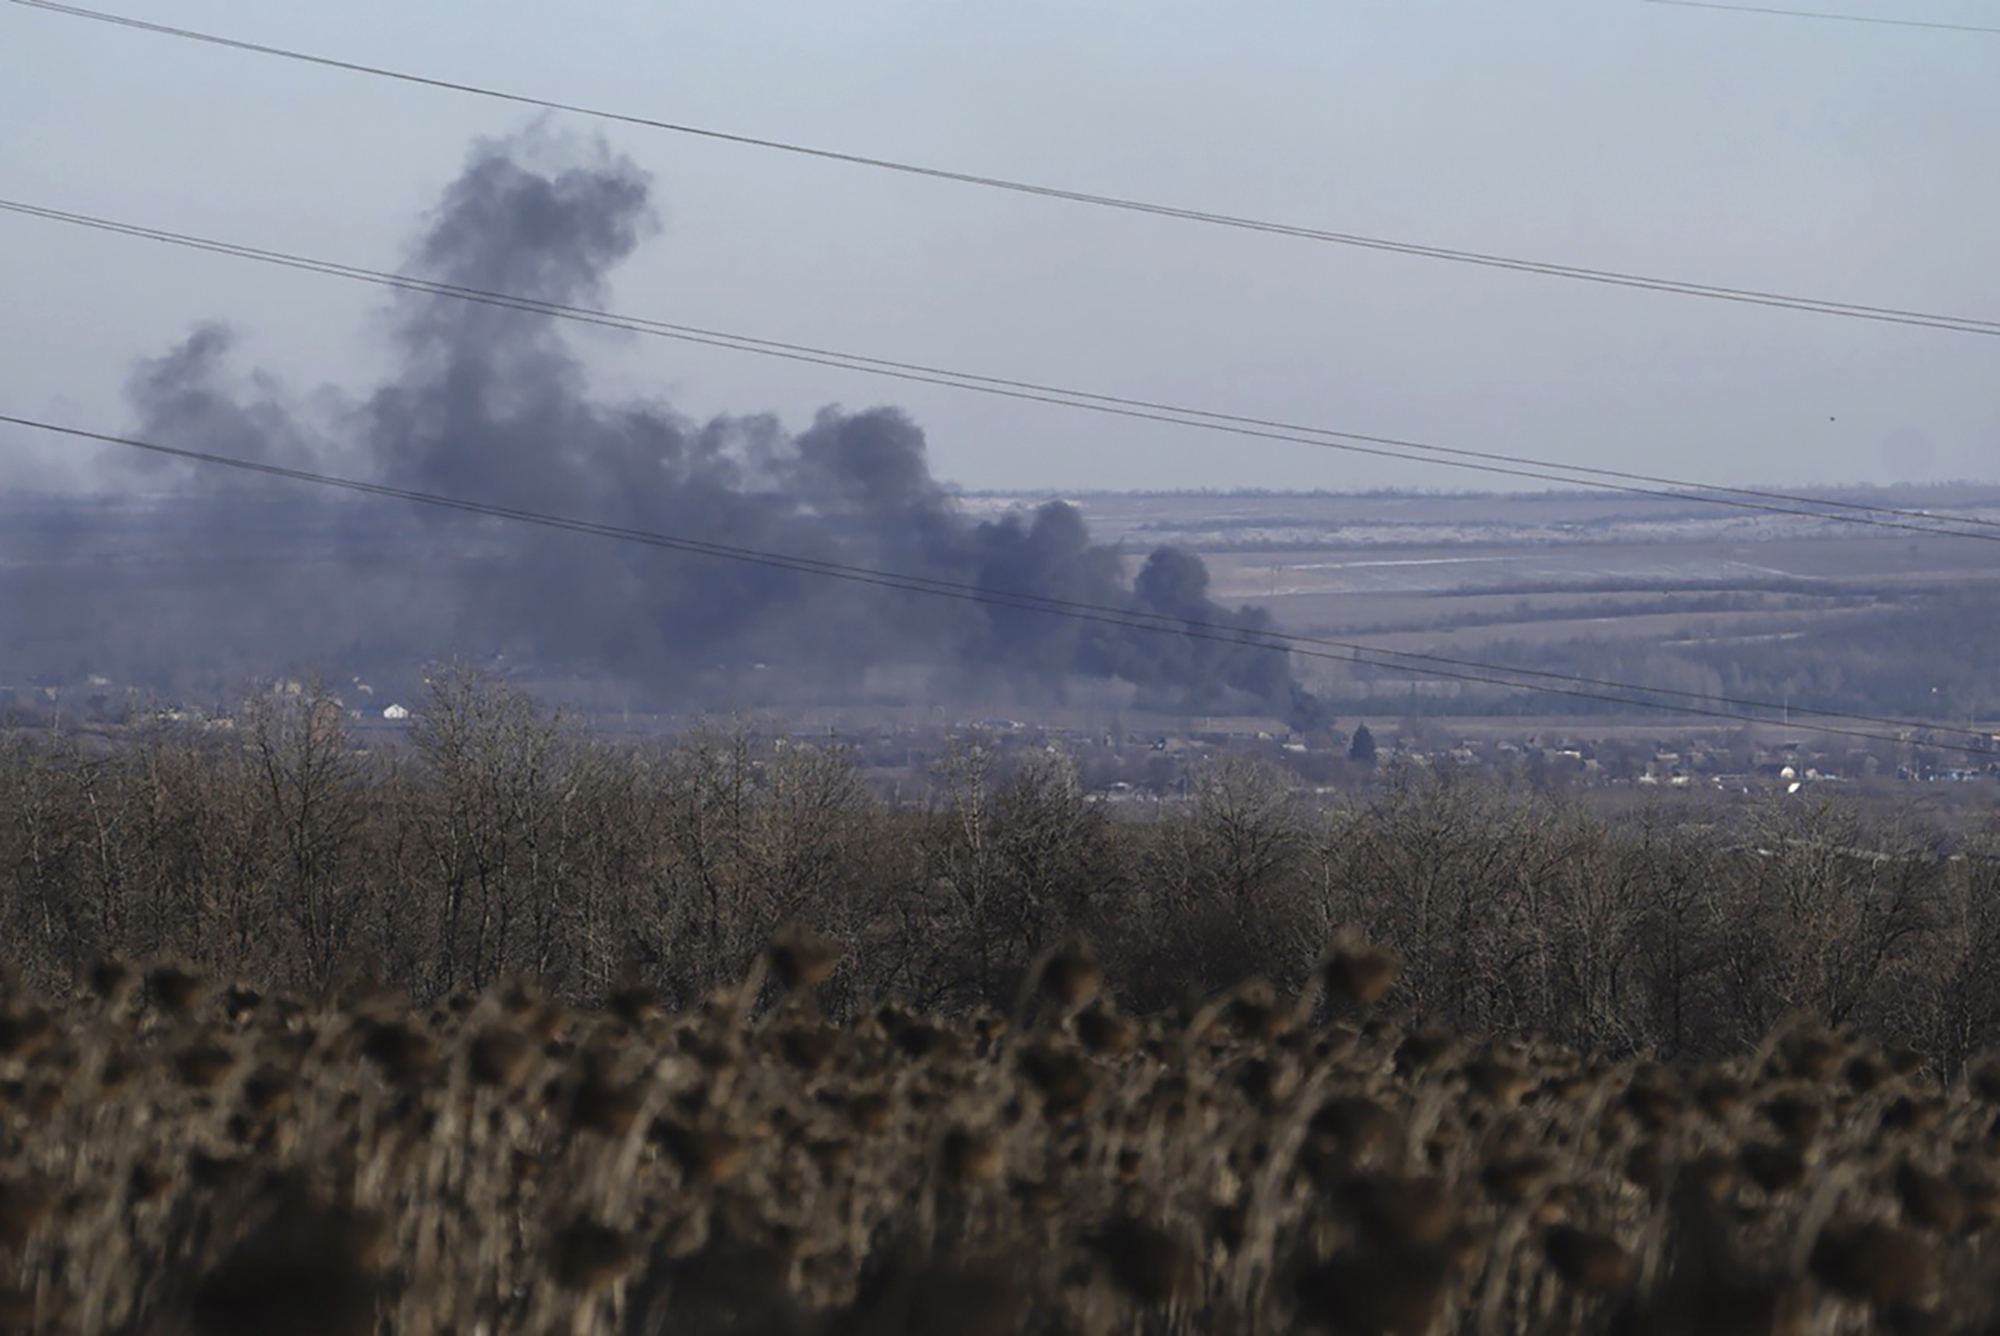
x: 495, y: 406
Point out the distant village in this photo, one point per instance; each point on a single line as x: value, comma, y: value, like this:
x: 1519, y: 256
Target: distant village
x: 1139, y: 765
x: 1142, y: 758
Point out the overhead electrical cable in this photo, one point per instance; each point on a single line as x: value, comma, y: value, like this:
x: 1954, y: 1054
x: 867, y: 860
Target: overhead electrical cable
x: 1388, y: 447
x: 1579, y: 273
x: 1429, y: 665
x: 1817, y: 14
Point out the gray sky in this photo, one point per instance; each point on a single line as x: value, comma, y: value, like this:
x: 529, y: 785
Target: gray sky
x: 1841, y: 161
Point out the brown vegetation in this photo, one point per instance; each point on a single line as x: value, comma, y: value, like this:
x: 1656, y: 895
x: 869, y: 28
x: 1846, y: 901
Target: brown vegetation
x: 521, y: 1032
x: 497, y: 843
x: 506, y: 1162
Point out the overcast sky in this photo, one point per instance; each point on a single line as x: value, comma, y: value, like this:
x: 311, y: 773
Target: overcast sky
x: 1841, y: 161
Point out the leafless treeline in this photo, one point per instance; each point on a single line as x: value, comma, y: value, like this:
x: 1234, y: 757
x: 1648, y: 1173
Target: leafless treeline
x: 501, y: 843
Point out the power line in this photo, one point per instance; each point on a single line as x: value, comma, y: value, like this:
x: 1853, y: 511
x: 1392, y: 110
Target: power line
x: 1815, y: 14
x: 1615, y: 278
x: 1518, y: 466
x: 1466, y: 670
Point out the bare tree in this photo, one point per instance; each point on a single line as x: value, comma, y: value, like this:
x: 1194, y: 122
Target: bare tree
x: 488, y: 757
x: 310, y: 784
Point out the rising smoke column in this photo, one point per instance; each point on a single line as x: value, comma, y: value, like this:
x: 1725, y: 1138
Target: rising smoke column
x: 494, y: 405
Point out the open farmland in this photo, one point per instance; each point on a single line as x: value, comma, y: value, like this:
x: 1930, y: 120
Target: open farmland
x: 1356, y: 563
x: 210, y: 1160
x: 1667, y: 590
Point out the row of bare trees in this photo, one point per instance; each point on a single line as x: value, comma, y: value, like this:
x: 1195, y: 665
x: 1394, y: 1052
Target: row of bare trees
x: 496, y: 842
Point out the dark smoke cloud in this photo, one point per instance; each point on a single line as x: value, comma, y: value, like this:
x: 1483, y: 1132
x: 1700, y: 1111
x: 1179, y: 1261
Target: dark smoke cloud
x: 494, y: 405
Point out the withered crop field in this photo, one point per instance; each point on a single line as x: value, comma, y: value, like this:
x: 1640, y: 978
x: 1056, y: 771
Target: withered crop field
x: 178, y: 1155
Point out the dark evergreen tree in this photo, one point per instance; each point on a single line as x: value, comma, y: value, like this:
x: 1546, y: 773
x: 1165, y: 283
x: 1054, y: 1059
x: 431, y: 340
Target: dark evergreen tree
x: 1362, y: 748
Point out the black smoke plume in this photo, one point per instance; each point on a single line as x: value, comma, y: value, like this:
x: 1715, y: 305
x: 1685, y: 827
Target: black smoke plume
x: 229, y: 574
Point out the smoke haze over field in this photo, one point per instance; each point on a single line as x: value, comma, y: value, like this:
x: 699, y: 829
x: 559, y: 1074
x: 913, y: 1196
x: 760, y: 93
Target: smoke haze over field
x: 244, y: 574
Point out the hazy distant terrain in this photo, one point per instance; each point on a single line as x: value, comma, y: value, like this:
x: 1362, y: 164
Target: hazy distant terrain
x: 1677, y: 592
x: 1674, y: 592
